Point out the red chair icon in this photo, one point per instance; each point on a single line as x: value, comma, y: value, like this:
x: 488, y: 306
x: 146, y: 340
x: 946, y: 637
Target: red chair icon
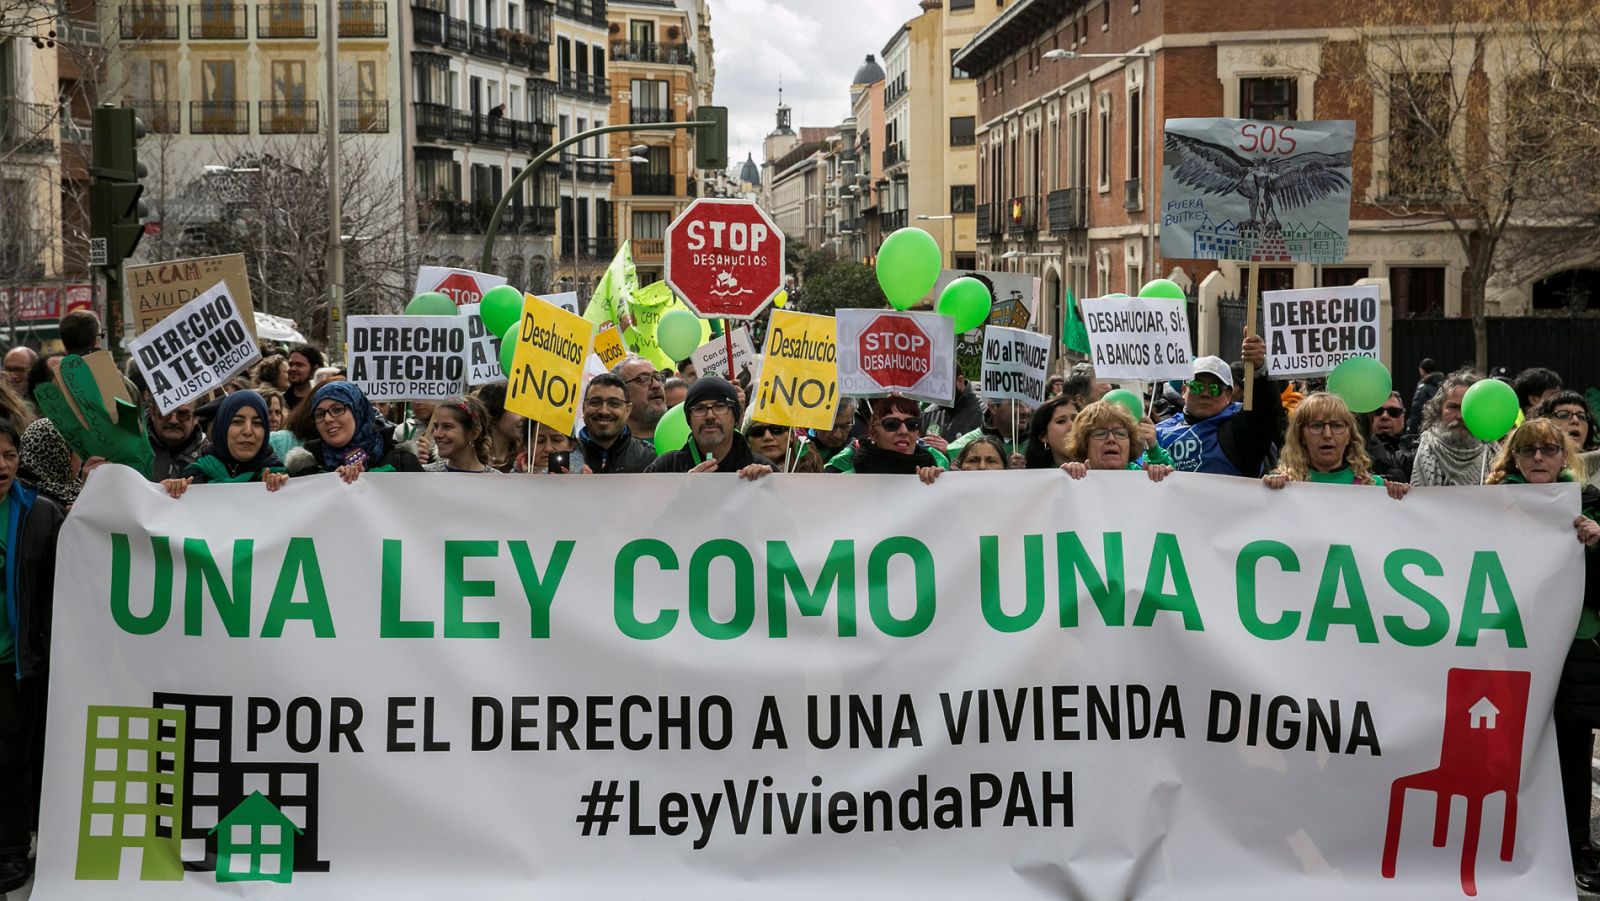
x: 1481, y: 754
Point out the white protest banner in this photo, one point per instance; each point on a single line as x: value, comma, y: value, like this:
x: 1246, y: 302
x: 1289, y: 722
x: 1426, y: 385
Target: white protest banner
x: 1015, y: 364
x: 408, y: 357
x: 1145, y: 338
x: 1310, y: 331
x: 883, y: 351
x: 1239, y: 189
x: 466, y: 287
x: 193, y: 350
x: 711, y: 358
x: 1126, y: 689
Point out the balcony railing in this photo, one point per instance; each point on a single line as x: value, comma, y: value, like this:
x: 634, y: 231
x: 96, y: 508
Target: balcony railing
x: 649, y: 115
x: 218, y: 22
x: 364, y: 20
x: 648, y: 248
x: 219, y: 117
x: 288, y: 117
x: 1132, y: 197
x: 986, y: 222
x: 891, y: 221
x: 159, y: 116
x: 654, y: 185
x: 1022, y: 215
x: 600, y: 172
x: 1068, y: 210
x: 365, y: 116
x: 652, y: 52
x: 583, y: 84
x: 467, y: 217
x: 894, y: 154
x: 26, y: 126
x: 148, y: 22
x: 437, y: 122
x: 601, y: 247
x: 591, y: 11
x: 286, y: 20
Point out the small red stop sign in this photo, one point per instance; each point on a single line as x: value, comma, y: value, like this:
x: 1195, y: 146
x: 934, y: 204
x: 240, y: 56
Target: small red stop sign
x: 724, y: 258
x: 895, y: 352
x: 461, y: 288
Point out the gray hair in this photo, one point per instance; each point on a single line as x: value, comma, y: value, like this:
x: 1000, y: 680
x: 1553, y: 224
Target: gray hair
x: 630, y: 358
x: 1434, y: 411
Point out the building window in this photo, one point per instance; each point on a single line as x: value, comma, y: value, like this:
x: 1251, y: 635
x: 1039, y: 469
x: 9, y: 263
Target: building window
x: 1105, y: 143
x: 957, y: 5
x: 1135, y: 120
x: 1417, y: 290
x: 968, y: 261
x: 961, y: 131
x: 963, y: 198
x: 650, y: 226
x: 956, y: 72
x: 1339, y: 276
x: 1271, y: 99
x: 1419, y: 134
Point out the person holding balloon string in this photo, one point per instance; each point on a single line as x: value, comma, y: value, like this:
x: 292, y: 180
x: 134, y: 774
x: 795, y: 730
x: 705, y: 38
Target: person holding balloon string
x: 1462, y: 424
x: 1323, y: 444
x: 1105, y: 436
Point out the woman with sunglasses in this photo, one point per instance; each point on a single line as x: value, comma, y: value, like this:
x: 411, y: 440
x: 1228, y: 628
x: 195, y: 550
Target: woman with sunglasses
x: 778, y: 444
x: 893, y: 444
x: 243, y: 454
x: 1105, y: 436
x: 1540, y: 453
x: 1391, y: 448
x: 1323, y: 444
x: 350, y: 439
x: 1570, y: 412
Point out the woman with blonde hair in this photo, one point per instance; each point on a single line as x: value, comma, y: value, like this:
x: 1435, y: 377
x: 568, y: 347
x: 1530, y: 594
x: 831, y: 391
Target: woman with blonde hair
x: 1323, y: 444
x: 1105, y: 436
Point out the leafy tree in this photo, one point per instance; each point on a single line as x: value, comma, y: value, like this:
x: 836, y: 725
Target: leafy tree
x: 841, y: 286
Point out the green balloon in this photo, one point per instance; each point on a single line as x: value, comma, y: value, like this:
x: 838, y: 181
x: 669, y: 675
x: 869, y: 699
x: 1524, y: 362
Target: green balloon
x: 678, y: 334
x: 908, y: 265
x: 500, y: 309
x: 1362, y: 382
x: 1163, y: 287
x: 431, y: 303
x: 1132, y: 402
x: 1489, y: 409
x: 967, y: 301
x: 672, y: 432
x: 508, y: 349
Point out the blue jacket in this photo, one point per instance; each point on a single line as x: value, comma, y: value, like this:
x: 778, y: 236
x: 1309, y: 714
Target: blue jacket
x: 31, y: 531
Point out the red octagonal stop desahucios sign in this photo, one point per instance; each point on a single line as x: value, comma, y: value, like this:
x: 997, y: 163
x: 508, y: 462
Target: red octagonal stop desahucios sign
x: 461, y: 288
x: 725, y: 258
x: 896, y: 352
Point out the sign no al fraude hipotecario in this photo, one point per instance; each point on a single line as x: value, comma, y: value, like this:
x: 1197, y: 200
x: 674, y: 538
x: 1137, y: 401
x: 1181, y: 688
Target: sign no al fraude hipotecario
x: 1105, y: 689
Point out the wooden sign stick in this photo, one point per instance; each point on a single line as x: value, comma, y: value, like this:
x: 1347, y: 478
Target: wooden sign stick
x: 1250, y: 329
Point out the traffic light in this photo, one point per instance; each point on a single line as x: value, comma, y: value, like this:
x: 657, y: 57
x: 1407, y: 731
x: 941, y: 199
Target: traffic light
x: 115, y: 210
x: 711, y: 141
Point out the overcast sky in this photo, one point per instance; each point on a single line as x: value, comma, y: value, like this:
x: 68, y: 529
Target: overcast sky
x: 816, y: 45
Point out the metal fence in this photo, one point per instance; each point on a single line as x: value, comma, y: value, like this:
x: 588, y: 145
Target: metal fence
x: 1567, y: 344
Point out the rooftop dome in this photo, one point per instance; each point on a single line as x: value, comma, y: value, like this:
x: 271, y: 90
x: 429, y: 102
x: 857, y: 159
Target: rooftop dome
x: 750, y: 173
x: 869, y: 73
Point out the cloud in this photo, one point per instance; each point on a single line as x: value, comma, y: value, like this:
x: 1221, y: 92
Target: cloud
x: 815, y: 46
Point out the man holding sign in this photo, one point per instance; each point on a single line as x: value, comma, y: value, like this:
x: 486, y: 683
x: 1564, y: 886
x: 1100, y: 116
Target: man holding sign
x: 1214, y: 433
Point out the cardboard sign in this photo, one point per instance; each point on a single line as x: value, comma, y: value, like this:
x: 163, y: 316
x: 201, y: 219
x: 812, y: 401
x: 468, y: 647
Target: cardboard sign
x: 608, y: 346
x: 1239, y: 189
x: 1016, y: 364
x: 195, y: 349
x: 711, y: 358
x: 546, y: 375
x: 108, y: 382
x: 1312, y: 330
x: 1143, y: 338
x: 156, y: 290
x: 886, y: 352
x: 799, y: 383
x: 409, y: 357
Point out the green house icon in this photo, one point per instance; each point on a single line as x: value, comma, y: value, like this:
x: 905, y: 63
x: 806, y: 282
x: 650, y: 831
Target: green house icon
x: 255, y: 842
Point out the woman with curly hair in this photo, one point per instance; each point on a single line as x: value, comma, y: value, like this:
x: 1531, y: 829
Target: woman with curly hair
x: 1323, y: 443
x: 460, y: 431
x: 1105, y: 436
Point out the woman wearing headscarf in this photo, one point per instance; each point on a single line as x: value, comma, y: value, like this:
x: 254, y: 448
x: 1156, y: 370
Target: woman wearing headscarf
x: 350, y: 437
x: 1540, y: 452
x: 1323, y: 443
x: 239, y: 448
x: 46, y: 463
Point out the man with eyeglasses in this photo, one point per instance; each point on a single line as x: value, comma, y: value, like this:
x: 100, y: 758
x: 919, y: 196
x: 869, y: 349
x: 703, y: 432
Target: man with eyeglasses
x: 712, y: 409
x: 176, y: 438
x: 1214, y: 433
x: 604, y: 441
x: 647, y: 395
x: 19, y: 362
x: 1391, y: 448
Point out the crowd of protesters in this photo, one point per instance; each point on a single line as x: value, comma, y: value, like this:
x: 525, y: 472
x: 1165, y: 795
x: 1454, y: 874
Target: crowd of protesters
x: 298, y: 416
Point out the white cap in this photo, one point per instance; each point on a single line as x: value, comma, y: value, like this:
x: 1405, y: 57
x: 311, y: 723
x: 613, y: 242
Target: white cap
x: 1216, y: 366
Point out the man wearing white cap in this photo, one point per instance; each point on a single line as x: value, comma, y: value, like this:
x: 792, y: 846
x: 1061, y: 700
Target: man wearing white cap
x: 1214, y: 433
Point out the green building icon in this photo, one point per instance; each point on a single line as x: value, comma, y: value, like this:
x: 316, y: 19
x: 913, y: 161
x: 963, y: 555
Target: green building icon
x: 255, y: 842
x: 131, y: 815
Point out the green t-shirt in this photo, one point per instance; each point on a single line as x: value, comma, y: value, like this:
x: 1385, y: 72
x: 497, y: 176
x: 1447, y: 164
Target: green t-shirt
x: 8, y: 642
x: 1345, y: 476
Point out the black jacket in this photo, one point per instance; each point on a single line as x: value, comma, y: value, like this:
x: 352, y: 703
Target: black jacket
x: 1393, y: 456
x: 961, y: 417
x: 307, y: 460
x: 737, y: 459
x: 31, y: 577
x: 1578, y: 692
x: 1426, y: 389
x: 626, y: 454
x: 170, y: 462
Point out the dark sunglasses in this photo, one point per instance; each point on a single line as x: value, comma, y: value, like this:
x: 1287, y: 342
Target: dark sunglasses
x: 761, y: 431
x: 1396, y: 412
x: 895, y: 423
x: 1214, y: 389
